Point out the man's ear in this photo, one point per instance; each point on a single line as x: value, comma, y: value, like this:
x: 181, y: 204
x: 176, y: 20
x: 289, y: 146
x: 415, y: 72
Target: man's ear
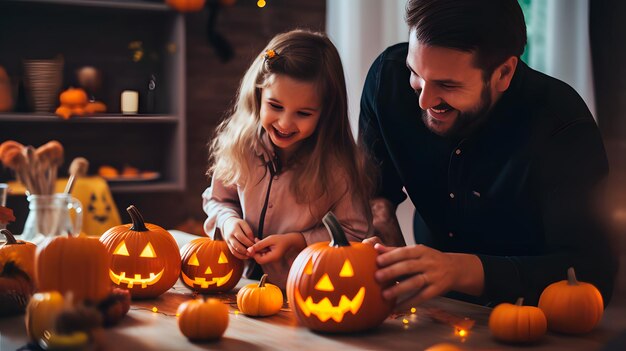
x: 502, y: 75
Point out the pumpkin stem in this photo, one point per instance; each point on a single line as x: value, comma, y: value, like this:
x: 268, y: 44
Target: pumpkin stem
x: 9, y: 236
x: 520, y: 301
x: 139, y: 225
x: 262, y: 281
x: 571, y: 276
x: 337, y: 235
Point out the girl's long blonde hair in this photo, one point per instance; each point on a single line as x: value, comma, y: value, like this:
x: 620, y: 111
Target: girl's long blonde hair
x: 309, y: 57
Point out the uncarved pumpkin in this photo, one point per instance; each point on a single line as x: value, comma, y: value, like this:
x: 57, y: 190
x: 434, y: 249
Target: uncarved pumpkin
x: 78, y: 264
x: 331, y: 285
x: 516, y: 323
x: 144, y: 257
x: 572, y: 307
x: 73, y: 97
x: 21, y: 253
x: 208, y: 266
x: 41, y: 313
x: 262, y: 299
x: 202, y: 320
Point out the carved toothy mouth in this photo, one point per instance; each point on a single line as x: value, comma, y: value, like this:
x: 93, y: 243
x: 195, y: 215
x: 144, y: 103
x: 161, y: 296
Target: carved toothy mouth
x: 325, y: 310
x: 203, y: 283
x: 121, y: 278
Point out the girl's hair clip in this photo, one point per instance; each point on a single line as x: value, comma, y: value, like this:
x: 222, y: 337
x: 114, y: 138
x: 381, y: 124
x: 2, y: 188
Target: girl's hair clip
x: 270, y: 54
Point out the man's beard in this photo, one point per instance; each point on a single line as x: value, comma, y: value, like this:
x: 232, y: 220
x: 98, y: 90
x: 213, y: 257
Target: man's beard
x: 466, y: 122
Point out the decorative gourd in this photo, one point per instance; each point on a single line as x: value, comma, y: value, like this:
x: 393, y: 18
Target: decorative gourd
x: 73, y: 97
x: 21, y: 253
x: 263, y: 299
x: 208, y: 266
x: 95, y: 107
x: 186, y: 5
x: 570, y: 306
x: 331, y: 286
x: 202, y: 320
x: 41, y: 313
x: 77, y: 264
x: 145, y: 258
x: 516, y: 323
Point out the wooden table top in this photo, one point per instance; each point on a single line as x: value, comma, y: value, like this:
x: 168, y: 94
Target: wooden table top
x: 143, y: 329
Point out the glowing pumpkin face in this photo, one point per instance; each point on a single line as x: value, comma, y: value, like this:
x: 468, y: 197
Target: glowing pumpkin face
x: 209, y: 266
x: 100, y: 212
x: 331, y: 286
x: 144, y: 257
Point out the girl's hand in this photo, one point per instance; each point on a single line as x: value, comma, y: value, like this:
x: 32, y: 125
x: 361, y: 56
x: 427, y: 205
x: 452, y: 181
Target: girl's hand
x: 275, y: 247
x: 238, y: 236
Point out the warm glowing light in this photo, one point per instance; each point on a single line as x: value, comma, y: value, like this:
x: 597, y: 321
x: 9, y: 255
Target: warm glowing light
x: 177, y: 314
x: 137, y: 280
x: 405, y: 321
x: 325, y: 310
x: 324, y: 284
x: 461, y: 332
x: 148, y: 251
x: 204, y: 283
x: 308, y: 269
x: 346, y: 270
x: 154, y: 309
x: 261, y: 3
x: 208, y: 270
x: 236, y: 312
x: 121, y: 249
x: 413, y: 309
x: 222, y: 258
x: 193, y: 261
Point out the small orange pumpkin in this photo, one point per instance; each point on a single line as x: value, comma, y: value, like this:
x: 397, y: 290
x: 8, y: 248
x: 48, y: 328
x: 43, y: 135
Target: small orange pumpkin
x: 202, y: 320
x: 517, y: 323
x: 186, y: 5
x: 73, y: 97
x: 572, y: 307
x: 21, y: 253
x: 145, y: 258
x: 95, y: 107
x: 208, y: 266
x: 78, y: 264
x: 41, y: 313
x: 260, y: 299
x: 331, y: 286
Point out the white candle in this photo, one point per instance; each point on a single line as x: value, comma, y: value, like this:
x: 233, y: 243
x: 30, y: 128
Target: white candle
x: 130, y: 102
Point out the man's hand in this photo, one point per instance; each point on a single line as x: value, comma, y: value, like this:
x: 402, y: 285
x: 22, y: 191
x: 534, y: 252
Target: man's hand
x: 385, y: 222
x: 418, y: 273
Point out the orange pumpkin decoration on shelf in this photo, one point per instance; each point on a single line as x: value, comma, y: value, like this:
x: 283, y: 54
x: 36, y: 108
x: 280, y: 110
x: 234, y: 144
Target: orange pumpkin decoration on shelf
x: 202, y: 320
x: 186, y: 5
x: 145, y: 258
x: 73, y: 97
x: 572, y: 307
x: 331, y: 286
x: 78, y: 264
x: 516, y: 323
x: 263, y: 299
x: 208, y: 266
x: 74, y: 102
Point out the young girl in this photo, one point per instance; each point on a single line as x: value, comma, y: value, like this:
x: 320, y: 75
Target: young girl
x: 285, y: 156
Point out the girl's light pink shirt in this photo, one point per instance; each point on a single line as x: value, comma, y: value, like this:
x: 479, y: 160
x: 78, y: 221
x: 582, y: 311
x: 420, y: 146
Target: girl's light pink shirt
x: 284, y: 214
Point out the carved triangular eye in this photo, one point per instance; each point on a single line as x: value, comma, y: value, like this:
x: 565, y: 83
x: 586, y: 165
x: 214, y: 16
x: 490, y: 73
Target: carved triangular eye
x: 148, y: 251
x: 222, y: 258
x: 121, y: 249
x: 346, y: 270
x: 324, y: 284
x: 308, y: 269
x: 193, y: 261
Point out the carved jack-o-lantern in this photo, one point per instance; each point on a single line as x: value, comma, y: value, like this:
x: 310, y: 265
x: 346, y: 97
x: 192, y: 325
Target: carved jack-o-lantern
x: 209, y: 266
x: 331, y: 286
x: 145, y: 258
x: 100, y: 212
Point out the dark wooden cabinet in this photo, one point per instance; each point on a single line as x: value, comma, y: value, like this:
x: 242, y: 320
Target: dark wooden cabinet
x: 128, y: 42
